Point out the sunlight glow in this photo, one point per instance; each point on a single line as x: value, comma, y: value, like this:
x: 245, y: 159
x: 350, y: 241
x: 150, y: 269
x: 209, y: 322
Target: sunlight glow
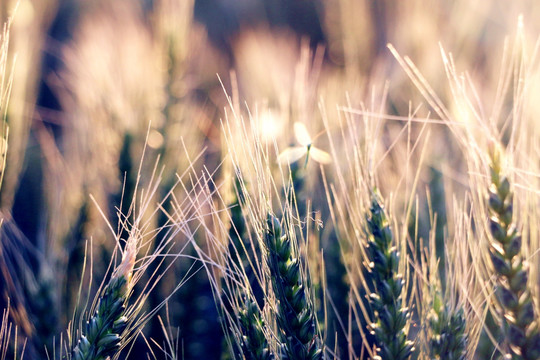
x: 269, y: 125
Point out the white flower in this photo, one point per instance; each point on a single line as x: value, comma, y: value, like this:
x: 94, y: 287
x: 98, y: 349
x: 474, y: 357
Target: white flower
x: 294, y: 153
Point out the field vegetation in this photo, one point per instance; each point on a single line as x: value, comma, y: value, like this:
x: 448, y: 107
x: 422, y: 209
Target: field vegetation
x: 341, y: 179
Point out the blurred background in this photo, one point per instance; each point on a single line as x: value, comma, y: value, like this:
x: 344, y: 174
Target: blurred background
x: 92, y: 81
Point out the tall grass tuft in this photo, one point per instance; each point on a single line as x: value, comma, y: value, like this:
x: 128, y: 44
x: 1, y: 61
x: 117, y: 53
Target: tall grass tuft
x: 9, y: 337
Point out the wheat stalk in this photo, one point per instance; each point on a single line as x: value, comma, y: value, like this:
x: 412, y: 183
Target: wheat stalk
x: 387, y: 300
x: 513, y: 293
x: 115, y: 318
x: 102, y: 335
x: 448, y: 337
x: 295, y: 314
x: 239, y: 301
x: 253, y: 341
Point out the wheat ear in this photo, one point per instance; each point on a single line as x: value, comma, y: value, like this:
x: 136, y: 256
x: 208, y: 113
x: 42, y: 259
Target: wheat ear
x: 448, y: 337
x: 253, y: 340
x: 249, y: 333
x: 391, y: 316
x: 521, y: 324
x: 295, y: 313
x: 101, y: 337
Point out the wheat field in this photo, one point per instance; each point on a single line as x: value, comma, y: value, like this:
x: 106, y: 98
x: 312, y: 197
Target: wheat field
x: 318, y: 179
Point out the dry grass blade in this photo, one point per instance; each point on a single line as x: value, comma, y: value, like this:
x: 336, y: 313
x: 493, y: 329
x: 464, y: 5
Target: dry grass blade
x: 7, y: 330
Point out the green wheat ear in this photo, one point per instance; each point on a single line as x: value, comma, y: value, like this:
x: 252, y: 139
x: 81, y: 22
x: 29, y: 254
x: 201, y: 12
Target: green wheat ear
x: 249, y: 334
x: 295, y: 314
x: 391, y: 316
x: 253, y: 341
x: 101, y: 337
x: 448, y: 337
x: 514, y: 296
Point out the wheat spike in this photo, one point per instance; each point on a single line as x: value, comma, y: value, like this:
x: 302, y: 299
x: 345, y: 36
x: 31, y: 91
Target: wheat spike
x: 513, y: 293
x: 102, y: 334
x: 387, y: 300
x: 295, y: 314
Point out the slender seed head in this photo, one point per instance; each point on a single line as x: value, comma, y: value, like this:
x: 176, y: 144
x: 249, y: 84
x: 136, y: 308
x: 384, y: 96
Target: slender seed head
x: 513, y: 294
x: 387, y: 300
x: 295, y: 313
